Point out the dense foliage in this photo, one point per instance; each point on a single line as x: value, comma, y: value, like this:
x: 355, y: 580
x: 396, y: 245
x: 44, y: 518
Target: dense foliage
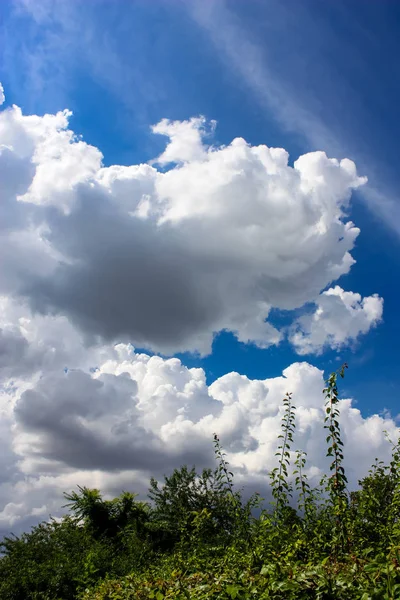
x: 199, y: 540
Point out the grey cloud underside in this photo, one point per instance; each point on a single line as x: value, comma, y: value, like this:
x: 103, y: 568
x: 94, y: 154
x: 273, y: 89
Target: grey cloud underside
x: 131, y: 281
x: 13, y: 349
x: 88, y: 423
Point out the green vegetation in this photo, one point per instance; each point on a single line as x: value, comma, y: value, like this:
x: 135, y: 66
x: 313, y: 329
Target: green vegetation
x: 198, y: 539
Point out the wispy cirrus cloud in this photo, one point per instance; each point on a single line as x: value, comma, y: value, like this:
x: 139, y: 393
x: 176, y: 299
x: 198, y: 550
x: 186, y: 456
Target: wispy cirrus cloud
x: 293, y: 106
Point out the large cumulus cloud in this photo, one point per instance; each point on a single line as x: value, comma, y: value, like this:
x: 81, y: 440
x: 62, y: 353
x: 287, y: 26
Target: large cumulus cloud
x: 166, y: 258
x: 112, y: 417
x: 162, y: 255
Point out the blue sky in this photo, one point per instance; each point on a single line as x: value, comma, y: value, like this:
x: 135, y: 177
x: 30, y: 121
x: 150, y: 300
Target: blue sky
x: 302, y: 76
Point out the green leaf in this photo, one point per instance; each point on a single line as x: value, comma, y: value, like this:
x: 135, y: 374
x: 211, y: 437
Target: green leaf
x: 232, y: 591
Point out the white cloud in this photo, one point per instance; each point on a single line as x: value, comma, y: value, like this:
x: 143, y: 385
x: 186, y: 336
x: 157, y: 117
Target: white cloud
x: 165, y: 259
x: 58, y: 159
x: 278, y: 81
x: 339, y: 318
x: 2, y: 96
x: 117, y: 416
x: 186, y: 144
x: 96, y: 257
